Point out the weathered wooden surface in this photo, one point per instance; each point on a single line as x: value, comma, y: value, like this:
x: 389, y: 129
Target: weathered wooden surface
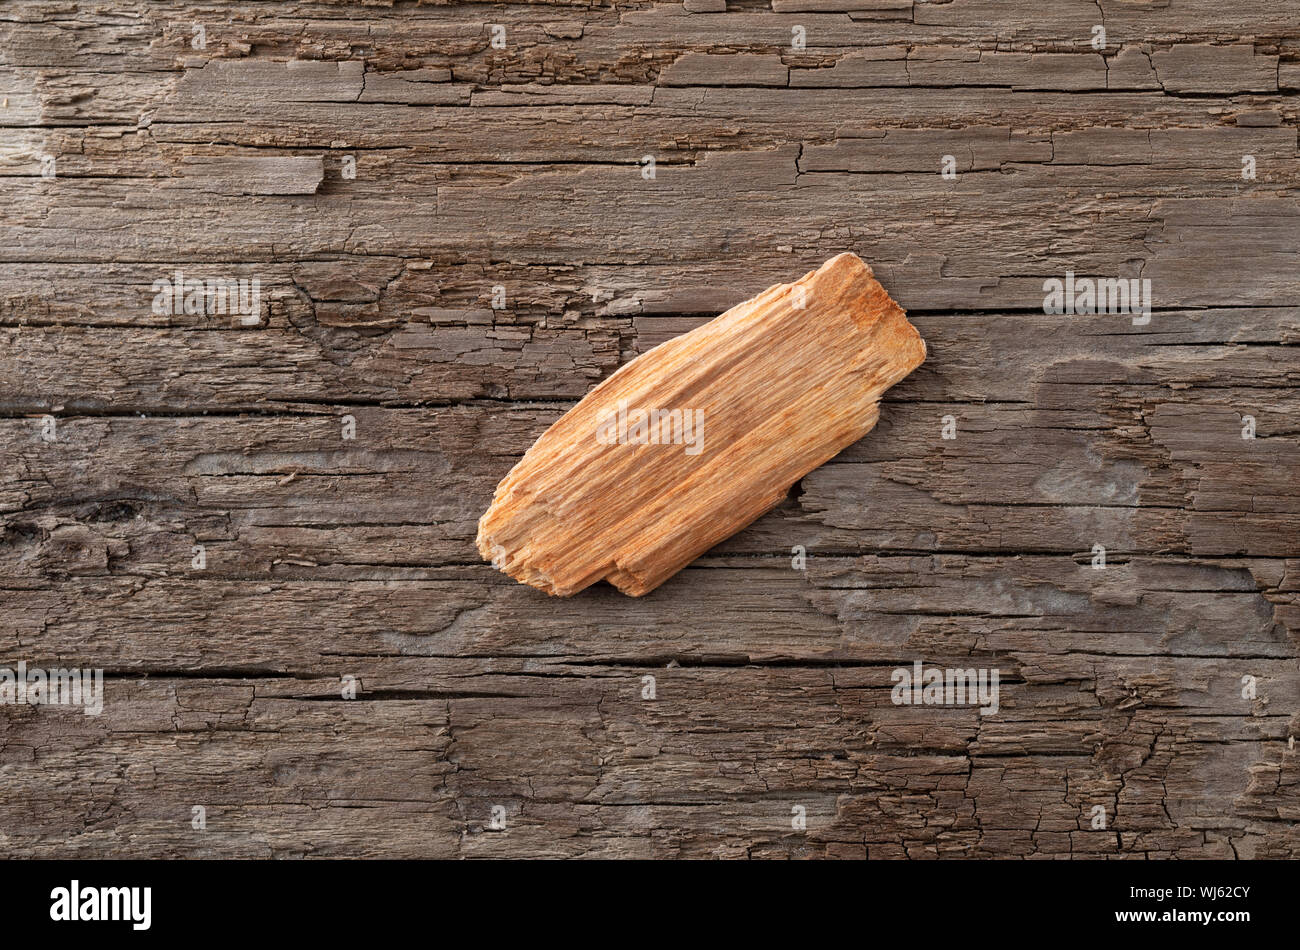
x: 520, y: 168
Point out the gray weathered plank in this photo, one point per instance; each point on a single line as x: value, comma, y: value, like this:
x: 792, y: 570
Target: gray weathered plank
x: 1162, y: 688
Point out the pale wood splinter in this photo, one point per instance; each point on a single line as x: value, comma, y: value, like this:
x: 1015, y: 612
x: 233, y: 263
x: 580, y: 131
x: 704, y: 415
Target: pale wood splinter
x: 692, y: 441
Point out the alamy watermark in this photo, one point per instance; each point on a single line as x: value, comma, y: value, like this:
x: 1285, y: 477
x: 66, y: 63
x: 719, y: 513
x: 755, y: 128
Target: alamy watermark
x: 934, y: 686
x: 1081, y: 295
x: 623, y: 426
x: 56, y: 687
x: 79, y: 902
x: 241, y: 297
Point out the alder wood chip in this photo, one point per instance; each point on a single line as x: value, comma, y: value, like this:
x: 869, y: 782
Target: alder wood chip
x: 690, y: 442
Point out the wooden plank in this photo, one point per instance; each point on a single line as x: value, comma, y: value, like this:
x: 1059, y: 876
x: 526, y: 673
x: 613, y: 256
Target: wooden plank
x: 485, y: 354
x: 838, y: 611
x: 454, y: 239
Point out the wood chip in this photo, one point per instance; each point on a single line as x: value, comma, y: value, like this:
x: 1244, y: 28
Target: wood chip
x: 692, y: 441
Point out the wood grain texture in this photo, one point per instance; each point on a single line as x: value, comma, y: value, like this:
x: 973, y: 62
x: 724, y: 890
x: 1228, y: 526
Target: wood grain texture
x: 692, y: 441
x: 455, y: 241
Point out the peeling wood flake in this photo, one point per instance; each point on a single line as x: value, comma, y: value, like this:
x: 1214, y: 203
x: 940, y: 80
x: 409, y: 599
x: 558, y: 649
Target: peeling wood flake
x: 724, y: 420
